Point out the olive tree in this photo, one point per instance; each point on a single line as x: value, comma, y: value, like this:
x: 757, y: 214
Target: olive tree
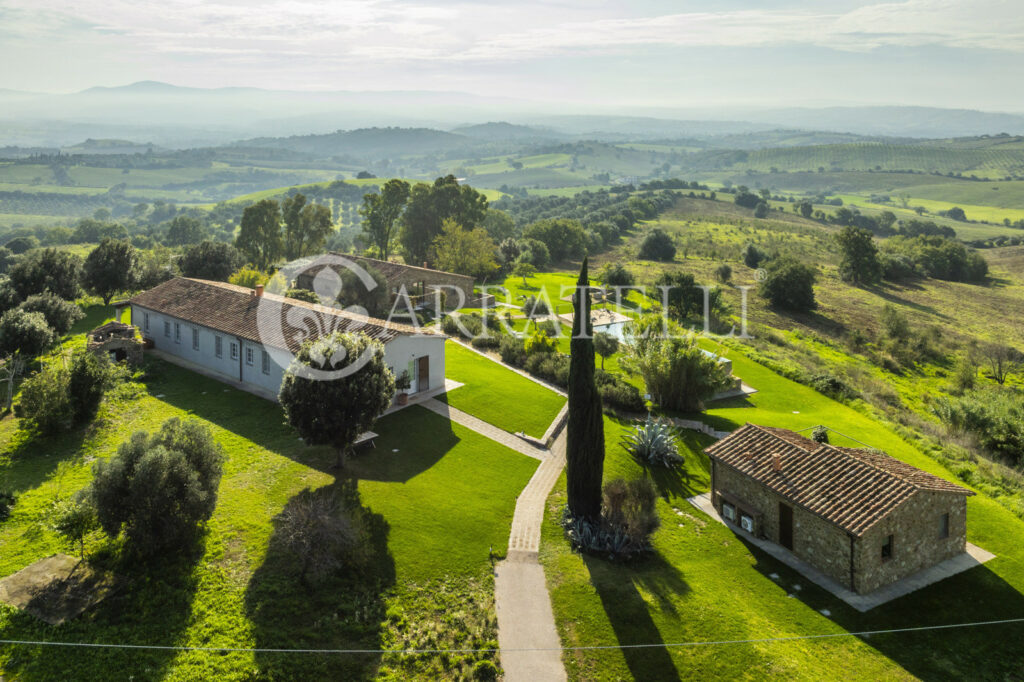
x: 789, y: 285
x: 73, y: 519
x: 335, y: 389
x: 605, y: 345
x: 159, y: 489
x: 211, y: 260
x: 61, y: 315
x: 23, y: 336
x: 42, y: 270
x: 110, y: 268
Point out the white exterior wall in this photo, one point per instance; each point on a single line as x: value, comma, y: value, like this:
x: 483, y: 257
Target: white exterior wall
x: 402, y: 352
x: 399, y: 354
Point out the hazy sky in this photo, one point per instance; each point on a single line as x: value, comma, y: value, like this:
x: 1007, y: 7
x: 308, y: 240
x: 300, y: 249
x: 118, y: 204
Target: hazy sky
x: 957, y: 53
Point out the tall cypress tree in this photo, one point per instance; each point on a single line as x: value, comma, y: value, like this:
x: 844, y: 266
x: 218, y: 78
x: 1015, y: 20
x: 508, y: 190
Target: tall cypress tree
x: 585, y: 446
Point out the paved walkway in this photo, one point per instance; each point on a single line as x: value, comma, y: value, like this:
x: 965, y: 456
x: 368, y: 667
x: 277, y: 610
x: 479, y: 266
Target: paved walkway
x: 529, y: 642
x: 424, y: 396
x: 974, y: 556
x: 531, y: 650
x: 529, y: 514
x: 483, y: 428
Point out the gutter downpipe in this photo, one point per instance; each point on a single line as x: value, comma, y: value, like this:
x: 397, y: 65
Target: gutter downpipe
x: 240, y: 366
x: 852, y: 584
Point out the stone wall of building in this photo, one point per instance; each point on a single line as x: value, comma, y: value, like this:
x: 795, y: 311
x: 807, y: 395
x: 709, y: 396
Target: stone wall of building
x: 916, y: 527
x: 413, y: 278
x: 816, y: 541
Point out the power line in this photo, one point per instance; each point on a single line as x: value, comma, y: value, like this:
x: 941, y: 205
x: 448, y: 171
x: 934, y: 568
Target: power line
x: 838, y: 433
x: 723, y: 642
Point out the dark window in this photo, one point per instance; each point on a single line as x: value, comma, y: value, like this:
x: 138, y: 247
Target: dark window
x: 234, y: 351
x: 218, y: 346
x: 177, y: 332
x: 248, y: 356
x: 145, y: 321
x: 195, y: 339
x: 944, y: 526
x: 887, y: 549
x: 167, y: 329
x: 266, y: 362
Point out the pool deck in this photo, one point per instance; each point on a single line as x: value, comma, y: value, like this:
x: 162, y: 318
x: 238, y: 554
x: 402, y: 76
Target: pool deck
x: 599, y: 318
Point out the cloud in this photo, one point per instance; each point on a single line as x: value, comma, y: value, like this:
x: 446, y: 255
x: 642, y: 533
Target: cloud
x: 402, y: 30
x: 988, y: 24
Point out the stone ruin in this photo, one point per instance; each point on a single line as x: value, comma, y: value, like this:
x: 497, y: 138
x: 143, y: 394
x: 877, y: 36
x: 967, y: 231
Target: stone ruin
x: 116, y: 341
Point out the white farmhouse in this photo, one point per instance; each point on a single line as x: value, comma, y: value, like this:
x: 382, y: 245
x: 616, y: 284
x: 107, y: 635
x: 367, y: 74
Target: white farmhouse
x: 246, y: 337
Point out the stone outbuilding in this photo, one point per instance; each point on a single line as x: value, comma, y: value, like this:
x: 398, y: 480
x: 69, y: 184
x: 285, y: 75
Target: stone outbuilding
x: 117, y: 341
x: 419, y: 283
x: 863, y: 518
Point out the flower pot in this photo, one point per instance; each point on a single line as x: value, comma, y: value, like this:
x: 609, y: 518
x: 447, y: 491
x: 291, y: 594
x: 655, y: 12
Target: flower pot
x: 403, y: 398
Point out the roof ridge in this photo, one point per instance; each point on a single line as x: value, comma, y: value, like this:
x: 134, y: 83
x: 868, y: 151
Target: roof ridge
x: 902, y: 471
x: 396, y: 263
x: 315, y: 307
x: 887, y: 472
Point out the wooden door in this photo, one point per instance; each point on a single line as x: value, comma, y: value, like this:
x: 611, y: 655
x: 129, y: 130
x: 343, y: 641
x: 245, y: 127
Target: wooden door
x: 423, y: 373
x: 785, y: 525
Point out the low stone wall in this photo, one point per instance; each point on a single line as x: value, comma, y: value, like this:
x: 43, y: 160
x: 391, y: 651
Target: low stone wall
x: 130, y: 349
x: 700, y: 426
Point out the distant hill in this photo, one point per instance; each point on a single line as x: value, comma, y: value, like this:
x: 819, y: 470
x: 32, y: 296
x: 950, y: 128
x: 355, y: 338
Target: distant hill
x: 375, y: 142
x: 622, y: 128
x: 931, y: 156
x: 109, y: 146
x: 504, y: 131
x: 927, y: 122
x: 183, y: 117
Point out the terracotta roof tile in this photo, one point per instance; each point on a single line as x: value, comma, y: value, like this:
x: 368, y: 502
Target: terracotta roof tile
x: 850, y: 487
x: 237, y: 311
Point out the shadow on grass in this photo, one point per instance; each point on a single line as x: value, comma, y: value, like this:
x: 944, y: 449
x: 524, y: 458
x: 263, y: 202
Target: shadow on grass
x: 152, y: 606
x: 888, y: 295
x: 671, y: 482
x: 262, y: 421
x: 34, y: 458
x: 715, y: 421
x: 345, y: 611
x: 976, y: 595
x: 411, y: 441
x: 619, y: 586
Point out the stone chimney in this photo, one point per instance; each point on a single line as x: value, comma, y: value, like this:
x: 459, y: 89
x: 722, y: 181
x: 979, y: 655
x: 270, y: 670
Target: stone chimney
x: 776, y: 462
x: 259, y: 291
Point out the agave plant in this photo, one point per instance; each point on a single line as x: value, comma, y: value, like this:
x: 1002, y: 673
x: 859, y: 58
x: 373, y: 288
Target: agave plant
x: 653, y: 443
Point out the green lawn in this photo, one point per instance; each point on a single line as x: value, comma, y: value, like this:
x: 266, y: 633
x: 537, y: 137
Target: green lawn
x: 704, y: 583
x: 498, y: 395
x: 431, y: 500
